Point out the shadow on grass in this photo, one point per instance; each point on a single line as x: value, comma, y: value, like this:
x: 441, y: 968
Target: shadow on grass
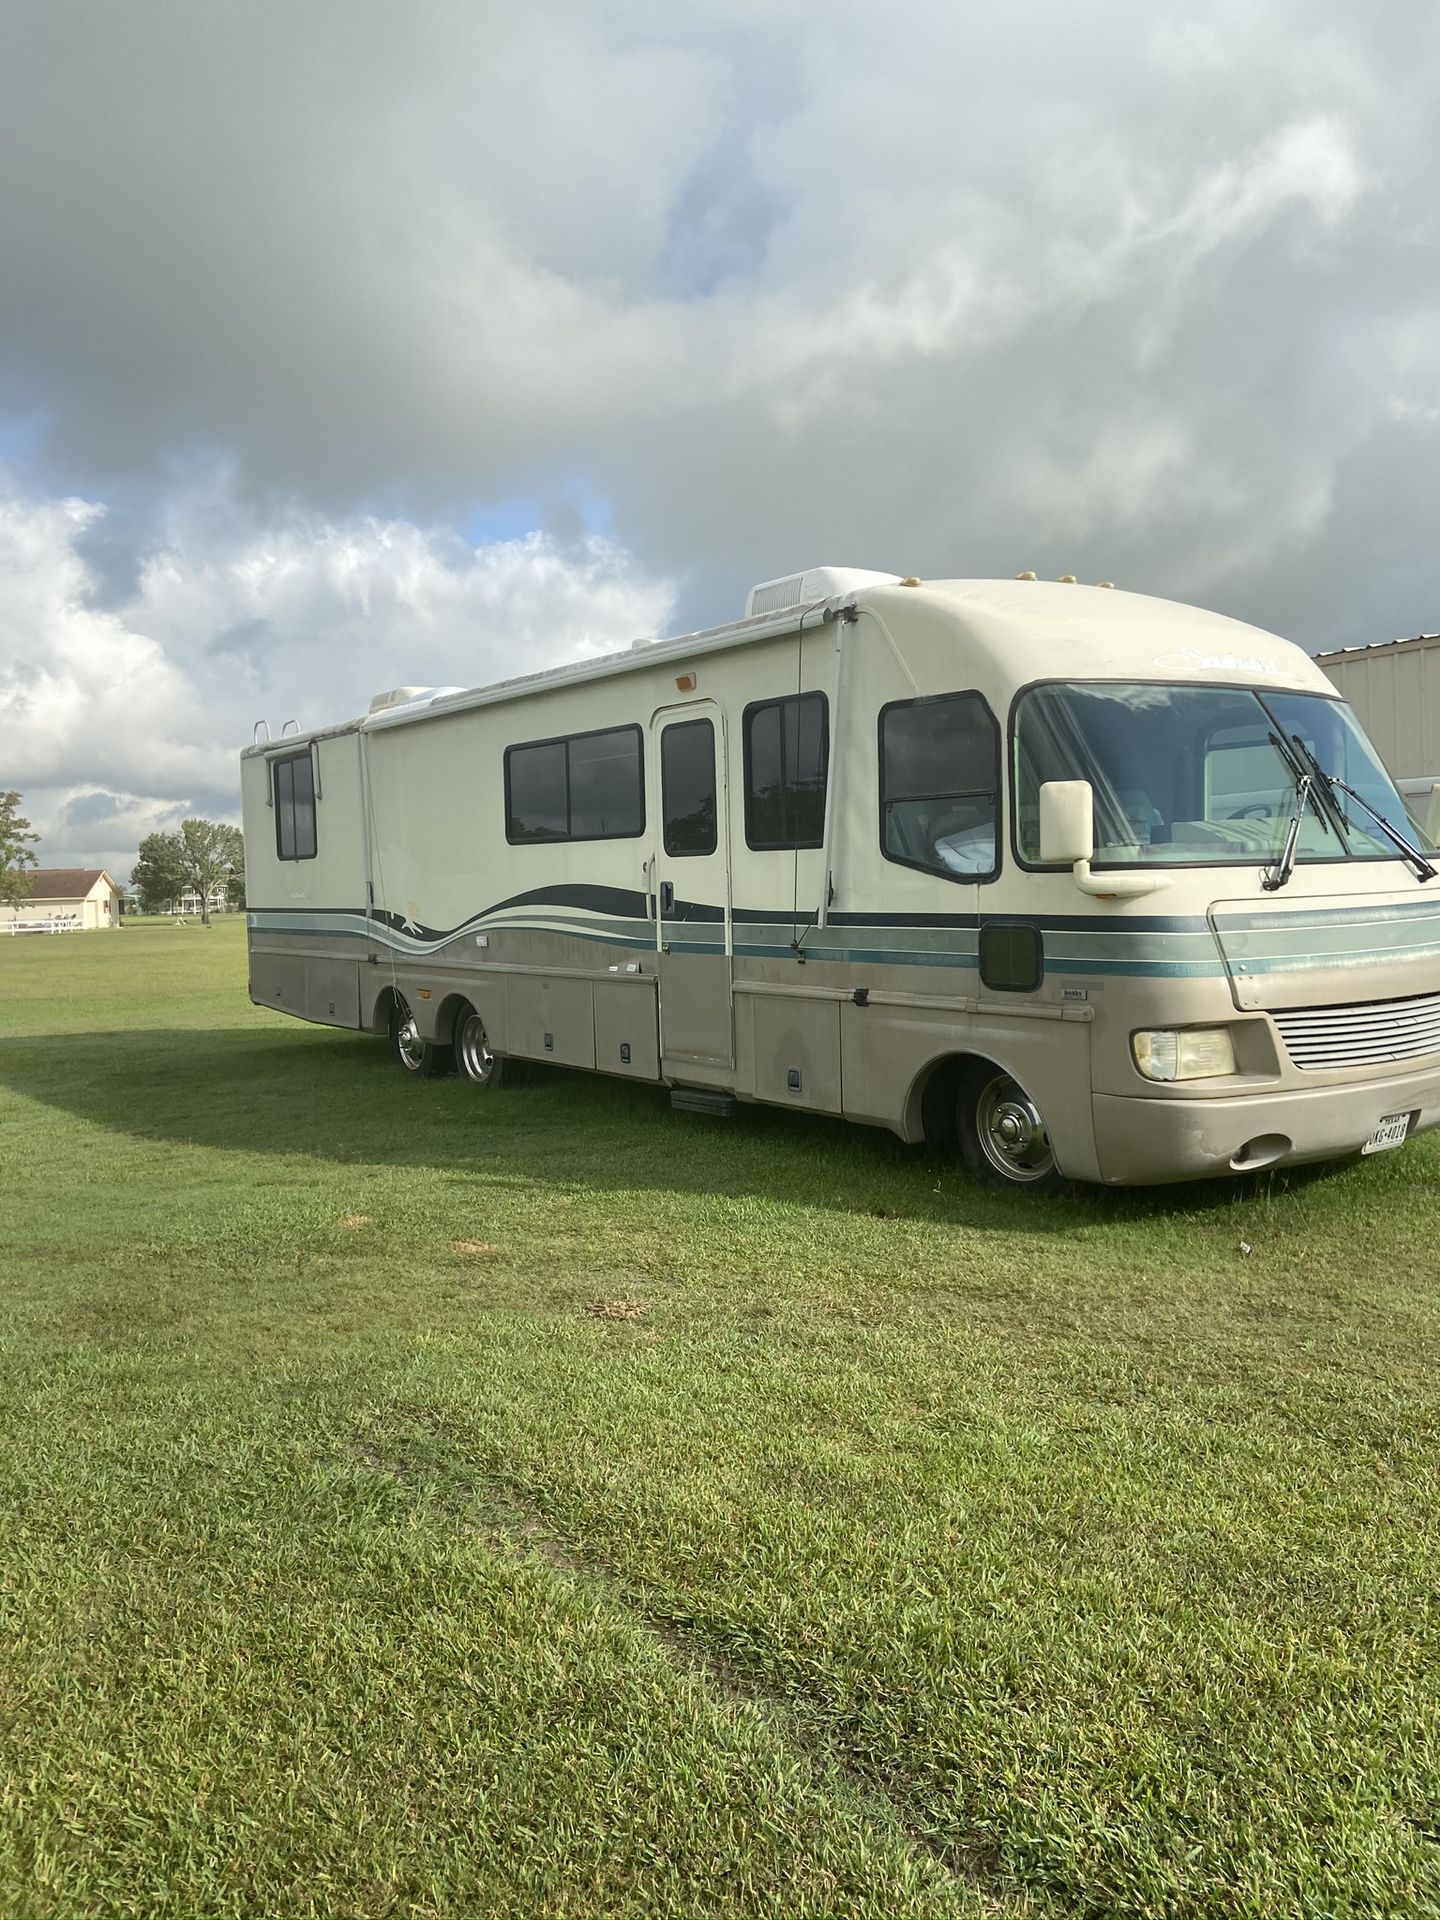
x: 336, y: 1096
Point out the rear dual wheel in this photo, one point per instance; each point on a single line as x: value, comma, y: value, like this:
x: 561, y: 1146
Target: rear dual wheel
x: 474, y: 1059
x: 469, y: 1054
x: 413, y: 1055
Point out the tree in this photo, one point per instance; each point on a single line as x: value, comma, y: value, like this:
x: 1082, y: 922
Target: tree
x: 210, y: 854
x: 16, y: 840
x: 204, y: 855
x: 158, y: 875
x: 235, y: 885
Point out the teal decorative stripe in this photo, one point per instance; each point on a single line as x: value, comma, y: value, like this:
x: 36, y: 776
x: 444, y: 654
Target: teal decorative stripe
x: 1285, y: 941
x: 1425, y: 910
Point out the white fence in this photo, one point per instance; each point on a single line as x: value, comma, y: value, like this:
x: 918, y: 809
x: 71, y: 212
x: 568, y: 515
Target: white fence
x: 57, y: 923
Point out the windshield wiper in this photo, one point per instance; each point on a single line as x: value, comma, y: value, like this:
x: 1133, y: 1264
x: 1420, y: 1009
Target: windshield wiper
x: 1416, y: 860
x: 1298, y: 773
x: 1277, y: 875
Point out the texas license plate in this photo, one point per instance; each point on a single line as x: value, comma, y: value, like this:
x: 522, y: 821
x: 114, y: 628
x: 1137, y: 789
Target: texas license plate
x: 1391, y: 1132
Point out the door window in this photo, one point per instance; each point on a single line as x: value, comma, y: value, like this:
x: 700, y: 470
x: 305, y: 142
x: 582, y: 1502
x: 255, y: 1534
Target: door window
x: 688, y: 793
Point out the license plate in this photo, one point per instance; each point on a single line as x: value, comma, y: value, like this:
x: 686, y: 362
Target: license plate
x: 1391, y: 1132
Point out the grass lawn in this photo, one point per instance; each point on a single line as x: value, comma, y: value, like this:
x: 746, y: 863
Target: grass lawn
x: 419, y: 1501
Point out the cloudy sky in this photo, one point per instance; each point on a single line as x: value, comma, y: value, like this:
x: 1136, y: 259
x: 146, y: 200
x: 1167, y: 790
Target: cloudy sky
x: 345, y: 344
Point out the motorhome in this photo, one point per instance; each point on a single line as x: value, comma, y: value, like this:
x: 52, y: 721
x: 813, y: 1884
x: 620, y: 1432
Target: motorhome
x: 1086, y: 884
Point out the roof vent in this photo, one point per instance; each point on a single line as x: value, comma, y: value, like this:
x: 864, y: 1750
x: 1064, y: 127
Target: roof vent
x: 807, y: 589
x: 410, y: 697
x: 397, y: 697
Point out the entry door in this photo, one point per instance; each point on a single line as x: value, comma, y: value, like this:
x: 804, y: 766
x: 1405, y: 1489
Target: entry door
x: 690, y: 886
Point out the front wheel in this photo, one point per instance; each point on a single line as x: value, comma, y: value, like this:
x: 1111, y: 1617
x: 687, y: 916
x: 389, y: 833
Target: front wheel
x: 422, y: 1058
x: 474, y: 1060
x: 1004, y: 1141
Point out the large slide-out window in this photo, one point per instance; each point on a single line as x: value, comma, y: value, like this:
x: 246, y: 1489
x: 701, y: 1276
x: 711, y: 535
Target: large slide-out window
x: 939, y: 785
x: 687, y: 788
x: 294, y: 778
x: 587, y: 787
x: 787, y: 750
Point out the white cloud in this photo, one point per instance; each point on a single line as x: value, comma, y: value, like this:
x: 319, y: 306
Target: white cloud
x: 120, y: 720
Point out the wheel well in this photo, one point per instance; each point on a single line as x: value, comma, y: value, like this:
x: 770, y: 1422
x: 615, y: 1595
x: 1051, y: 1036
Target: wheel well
x: 448, y: 1017
x: 384, y: 1005
x: 930, y: 1107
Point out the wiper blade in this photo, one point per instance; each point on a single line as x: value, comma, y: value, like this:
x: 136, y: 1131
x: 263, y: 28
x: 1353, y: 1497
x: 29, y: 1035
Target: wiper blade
x: 1297, y: 772
x: 1285, y: 865
x: 1418, y: 864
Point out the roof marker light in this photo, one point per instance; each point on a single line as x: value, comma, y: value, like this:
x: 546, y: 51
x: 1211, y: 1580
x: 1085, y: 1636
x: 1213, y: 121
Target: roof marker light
x: 1104, y: 583
x: 1031, y: 575
x: 1067, y: 579
x: 910, y: 581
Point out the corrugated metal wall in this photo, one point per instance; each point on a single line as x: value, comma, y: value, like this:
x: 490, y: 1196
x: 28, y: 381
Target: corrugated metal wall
x: 1396, y: 692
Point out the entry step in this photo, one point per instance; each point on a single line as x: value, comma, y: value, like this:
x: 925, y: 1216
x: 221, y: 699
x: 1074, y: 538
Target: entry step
x: 720, y: 1106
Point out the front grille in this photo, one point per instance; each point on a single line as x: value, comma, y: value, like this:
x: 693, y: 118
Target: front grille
x: 1362, y: 1036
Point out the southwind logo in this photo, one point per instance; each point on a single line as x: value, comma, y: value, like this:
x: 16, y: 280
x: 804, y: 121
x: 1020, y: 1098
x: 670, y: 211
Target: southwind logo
x: 1189, y: 660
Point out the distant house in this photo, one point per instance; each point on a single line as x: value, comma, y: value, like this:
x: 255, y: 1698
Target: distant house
x: 189, y: 901
x: 64, y: 899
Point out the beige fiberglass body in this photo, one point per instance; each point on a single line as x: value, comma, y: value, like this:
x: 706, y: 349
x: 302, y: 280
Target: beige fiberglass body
x: 1095, y: 885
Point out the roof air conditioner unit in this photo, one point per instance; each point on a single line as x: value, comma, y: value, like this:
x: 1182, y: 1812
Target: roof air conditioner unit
x: 809, y: 588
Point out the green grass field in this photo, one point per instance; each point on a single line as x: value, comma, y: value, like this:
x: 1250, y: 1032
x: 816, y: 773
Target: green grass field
x: 419, y: 1501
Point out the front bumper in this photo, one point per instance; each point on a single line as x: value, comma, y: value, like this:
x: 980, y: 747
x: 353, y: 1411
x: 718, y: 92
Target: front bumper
x: 1147, y: 1140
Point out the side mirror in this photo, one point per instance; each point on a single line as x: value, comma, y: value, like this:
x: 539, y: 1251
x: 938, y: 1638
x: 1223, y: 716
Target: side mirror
x: 1067, y: 821
x: 1067, y: 836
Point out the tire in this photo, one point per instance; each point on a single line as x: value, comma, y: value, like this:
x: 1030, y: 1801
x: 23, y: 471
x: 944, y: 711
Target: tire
x: 1003, y: 1138
x: 474, y: 1060
x: 421, y: 1059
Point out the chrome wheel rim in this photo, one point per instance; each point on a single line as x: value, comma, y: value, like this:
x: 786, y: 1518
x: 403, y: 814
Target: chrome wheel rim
x: 477, y: 1062
x: 408, y: 1043
x: 1011, y: 1131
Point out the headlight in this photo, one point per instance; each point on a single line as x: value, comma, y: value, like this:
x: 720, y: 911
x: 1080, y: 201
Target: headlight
x: 1201, y: 1053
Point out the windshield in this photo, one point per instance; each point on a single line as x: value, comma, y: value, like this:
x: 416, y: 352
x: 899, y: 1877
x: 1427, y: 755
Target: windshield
x: 1186, y: 775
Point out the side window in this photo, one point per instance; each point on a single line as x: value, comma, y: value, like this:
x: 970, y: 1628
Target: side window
x: 587, y: 787
x: 688, y: 802
x: 787, y: 750
x: 939, y: 785
x: 537, y: 801
x: 606, y: 802
x: 294, y: 795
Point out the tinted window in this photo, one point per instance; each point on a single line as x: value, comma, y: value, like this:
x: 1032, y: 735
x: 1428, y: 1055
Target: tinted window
x: 605, y: 798
x: 588, y: 787
x: 295, y: 807
x: 786, y: 751
x: 939, y: 785
x: 537, y: 804
x: 687, y: 783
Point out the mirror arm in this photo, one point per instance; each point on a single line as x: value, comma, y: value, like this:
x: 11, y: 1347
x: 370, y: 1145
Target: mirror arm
x: 1115, y: 886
